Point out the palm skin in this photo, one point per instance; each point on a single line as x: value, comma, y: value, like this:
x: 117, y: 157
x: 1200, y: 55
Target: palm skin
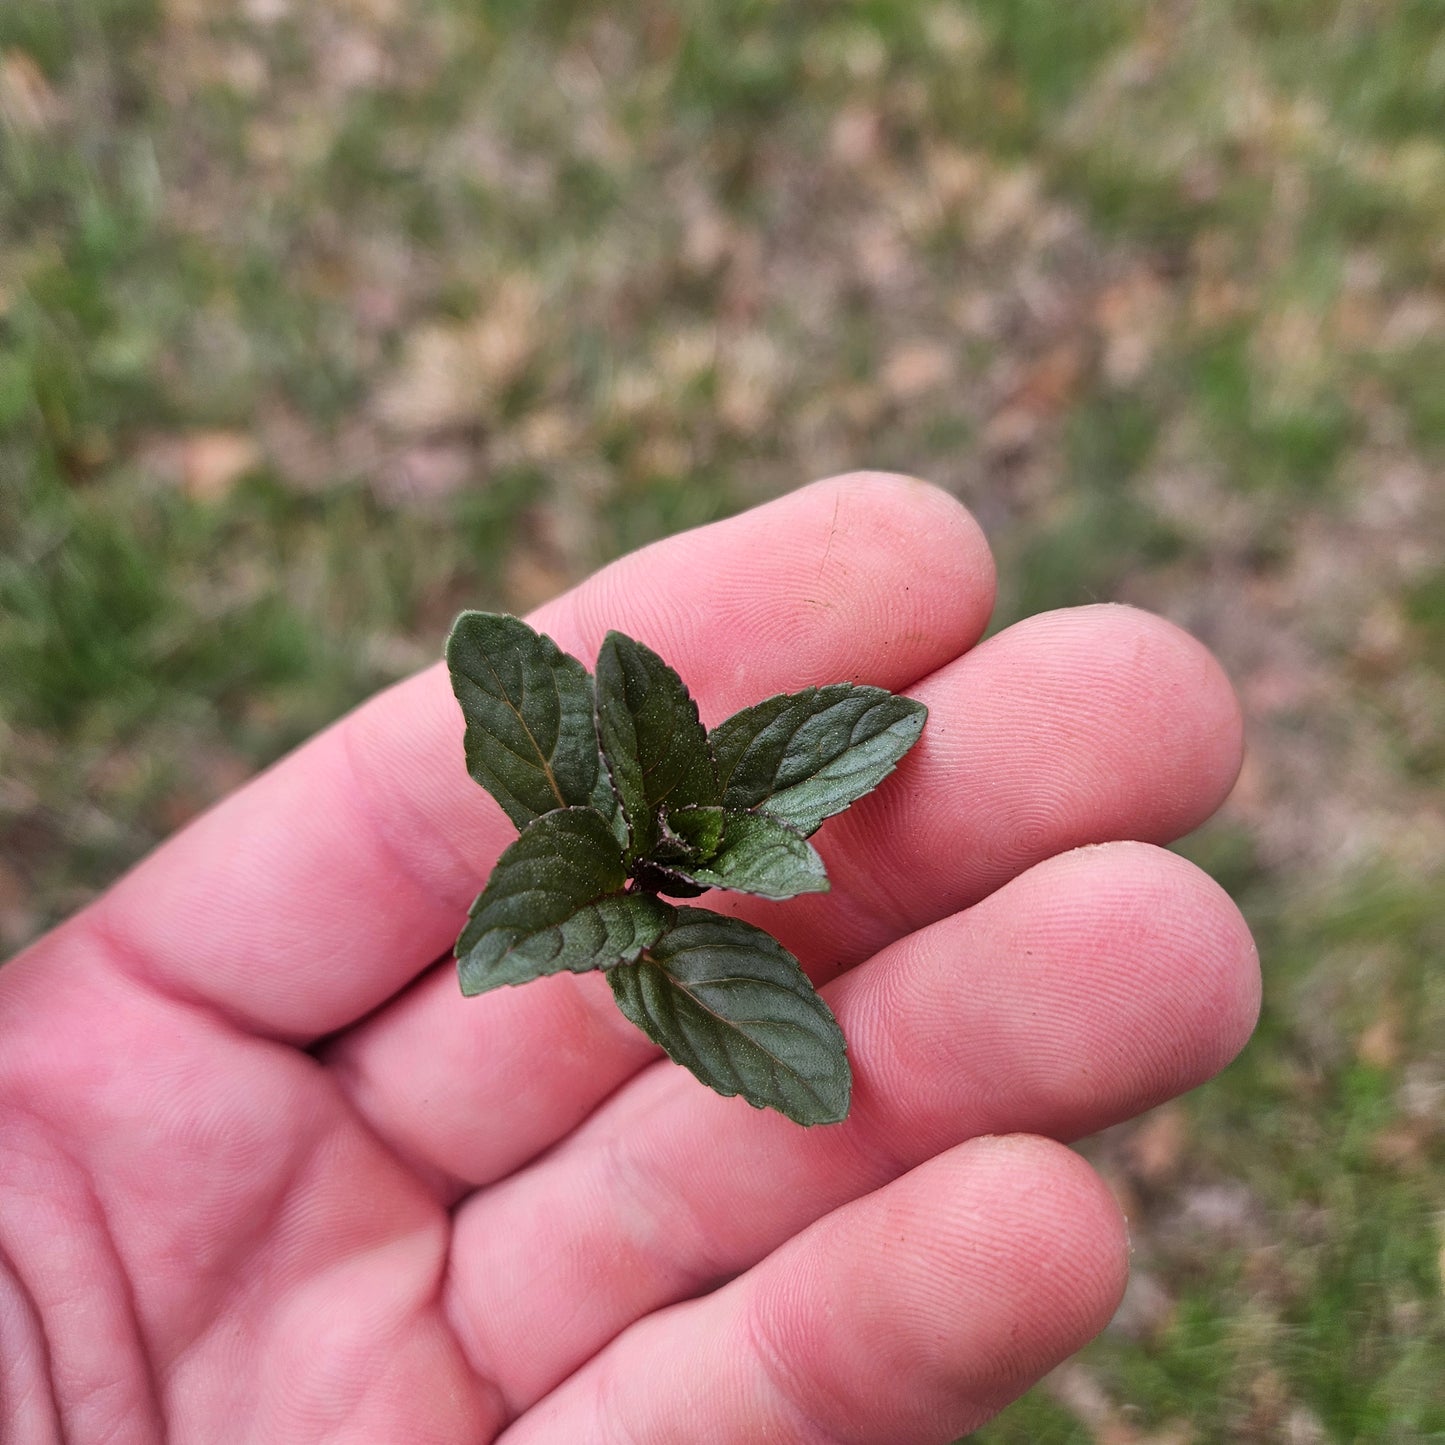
x: 267, y: 1177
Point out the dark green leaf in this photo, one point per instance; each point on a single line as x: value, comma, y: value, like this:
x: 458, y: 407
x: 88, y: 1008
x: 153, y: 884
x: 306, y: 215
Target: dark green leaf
x: 531, y: 741
x: 653, y: 743
x: 554, y: 902
x: 617, y: 738
x: 698, y: 830
x: 760, y: 855
x: 669, y: 846
x: 804, y: 756
x: 730, y: 1003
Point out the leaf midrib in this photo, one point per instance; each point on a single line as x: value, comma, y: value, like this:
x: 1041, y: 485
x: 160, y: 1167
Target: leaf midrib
x: 544, y: 758
x: 557, y: 927
x: 732, y: 1023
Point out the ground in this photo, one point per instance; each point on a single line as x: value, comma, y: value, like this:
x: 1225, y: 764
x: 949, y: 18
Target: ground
x: 320, y: 321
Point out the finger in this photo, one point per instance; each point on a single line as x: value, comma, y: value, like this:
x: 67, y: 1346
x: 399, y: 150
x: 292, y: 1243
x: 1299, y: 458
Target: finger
x: 1089, y: 725
x: 1071, y: 728
x: 318, y: 891
x: 909, y: 1316
x: 1094, y: 986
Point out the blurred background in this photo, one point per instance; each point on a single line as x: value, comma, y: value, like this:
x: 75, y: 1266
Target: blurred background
x: 321, y: 320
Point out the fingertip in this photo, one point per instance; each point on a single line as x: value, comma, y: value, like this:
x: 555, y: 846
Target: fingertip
x: 1150, y: 925
x: 929, y: 530
x: 1165, y: 722
x: 1069, y: 1232
x: 867, y: 577
x: 964, y: 1281
x: 1193, y: 689
x: 913, y: 506
x: 1217, y: 959
x: 1096, y: 985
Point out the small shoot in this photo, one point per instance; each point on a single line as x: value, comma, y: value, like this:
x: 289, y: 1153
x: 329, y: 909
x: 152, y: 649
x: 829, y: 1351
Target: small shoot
x: 624, y: 801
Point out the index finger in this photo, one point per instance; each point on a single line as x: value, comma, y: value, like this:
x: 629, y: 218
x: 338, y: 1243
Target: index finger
x: 327, y: 884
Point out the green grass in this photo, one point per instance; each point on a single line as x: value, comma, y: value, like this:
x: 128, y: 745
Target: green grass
x: 1173, y: 276
x: 1106, y: 529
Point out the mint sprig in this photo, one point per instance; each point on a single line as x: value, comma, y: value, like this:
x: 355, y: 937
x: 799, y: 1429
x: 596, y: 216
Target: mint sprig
x: 620, y: 796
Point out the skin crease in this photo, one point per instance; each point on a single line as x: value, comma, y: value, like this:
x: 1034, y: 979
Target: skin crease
x: 267, y: 1177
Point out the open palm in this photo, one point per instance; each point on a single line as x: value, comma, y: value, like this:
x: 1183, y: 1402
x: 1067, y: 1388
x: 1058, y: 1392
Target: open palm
x: 265, y: 1176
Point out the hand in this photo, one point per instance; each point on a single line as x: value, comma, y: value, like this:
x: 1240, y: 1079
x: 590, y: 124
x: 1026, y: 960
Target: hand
x: 266, y: 1176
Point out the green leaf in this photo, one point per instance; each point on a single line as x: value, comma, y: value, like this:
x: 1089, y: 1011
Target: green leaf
x: 698, y: 830
x: 531, y: 741
x: 669, y: 846
x: 804, y: 756
x: 730, y: 1003
x: 554, y: 902
x: 653, y: 743
x: 760, y: 855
